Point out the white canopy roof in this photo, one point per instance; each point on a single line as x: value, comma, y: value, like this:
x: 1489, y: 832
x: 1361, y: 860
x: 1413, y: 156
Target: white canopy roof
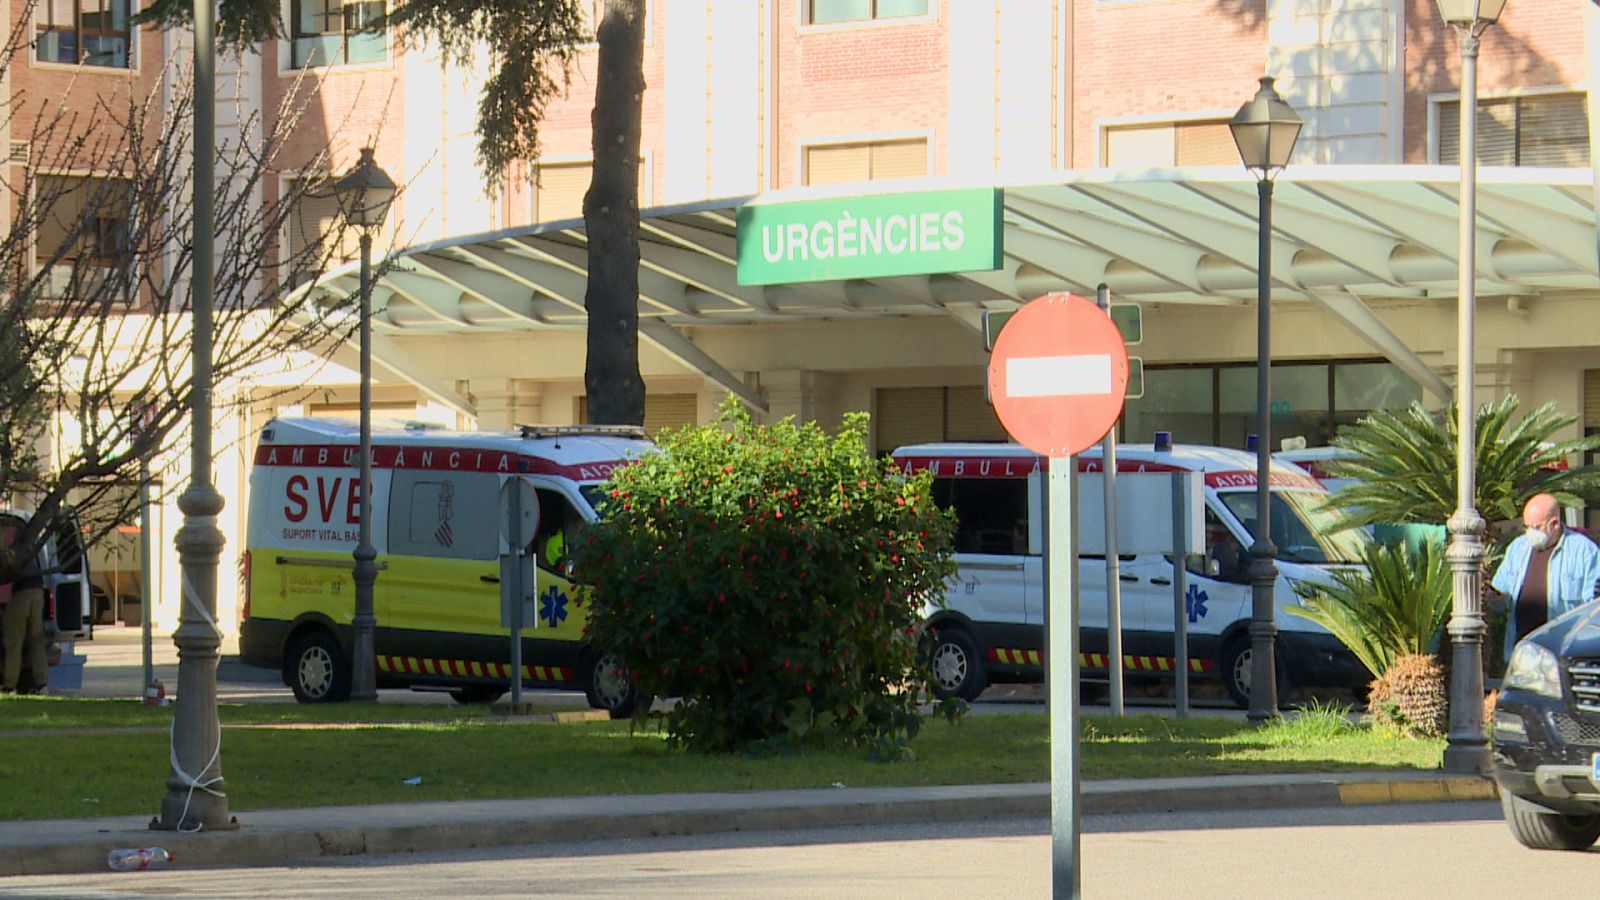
x: 1341, y: 235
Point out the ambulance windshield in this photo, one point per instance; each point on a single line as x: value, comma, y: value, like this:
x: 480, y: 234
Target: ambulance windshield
x: 1301, y: 529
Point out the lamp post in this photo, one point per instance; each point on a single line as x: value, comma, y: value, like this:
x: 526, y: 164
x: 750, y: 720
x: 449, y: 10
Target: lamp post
x: 1467, y: 749
x: 1265, y: 129
x: 195, y: 799
x: 364, y: 195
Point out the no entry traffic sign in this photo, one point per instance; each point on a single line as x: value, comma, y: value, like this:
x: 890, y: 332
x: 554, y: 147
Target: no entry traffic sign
x: 1058, y: 375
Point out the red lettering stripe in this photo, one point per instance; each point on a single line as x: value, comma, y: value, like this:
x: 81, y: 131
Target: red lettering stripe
x: 440, y: 459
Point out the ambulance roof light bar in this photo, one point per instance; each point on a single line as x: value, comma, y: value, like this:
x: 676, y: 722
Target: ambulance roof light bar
x: 544, y: 431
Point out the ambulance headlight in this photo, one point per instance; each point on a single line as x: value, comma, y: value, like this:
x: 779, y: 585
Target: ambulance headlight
x: 1534, y: 669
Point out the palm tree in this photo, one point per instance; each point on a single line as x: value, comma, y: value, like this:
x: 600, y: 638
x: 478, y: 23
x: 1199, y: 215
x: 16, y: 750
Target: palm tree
x: 1388, y: 614
x: 1403, y: 464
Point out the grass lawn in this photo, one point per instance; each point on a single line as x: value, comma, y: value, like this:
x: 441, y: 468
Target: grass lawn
x: 75, y: 768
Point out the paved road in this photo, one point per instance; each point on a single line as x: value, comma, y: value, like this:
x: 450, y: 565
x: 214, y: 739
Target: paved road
x: 1414, y: 851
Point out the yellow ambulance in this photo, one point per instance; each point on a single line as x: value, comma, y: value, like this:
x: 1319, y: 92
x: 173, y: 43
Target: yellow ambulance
x: 438, y: 539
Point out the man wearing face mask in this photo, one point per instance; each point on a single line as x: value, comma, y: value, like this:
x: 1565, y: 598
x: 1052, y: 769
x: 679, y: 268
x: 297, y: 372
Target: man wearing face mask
x: 1547, y: 570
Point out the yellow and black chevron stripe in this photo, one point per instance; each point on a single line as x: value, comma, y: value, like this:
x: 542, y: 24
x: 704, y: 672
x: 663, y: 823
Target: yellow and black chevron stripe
x: 1013, y: 657
x: 444, y: 668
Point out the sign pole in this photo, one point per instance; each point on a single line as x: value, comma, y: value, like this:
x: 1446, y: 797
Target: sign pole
x: 1061, y: 620
x: 515, y: 517
x: 1108, y: 473
x: 1180, y: 611
x: 1058, y: 382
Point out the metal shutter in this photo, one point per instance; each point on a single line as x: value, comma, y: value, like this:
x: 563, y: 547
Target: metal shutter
x: 1591, y: 397
x: 313, y: 218
x: 1553, y: 131
x: 838, y: 164
x: 1497, y: 132
x: 560, y: 190
x: 669, y: 411
x: 1205, y: 144
x: 907, y: 416
x: 899, y: 159
x: 970, y: 417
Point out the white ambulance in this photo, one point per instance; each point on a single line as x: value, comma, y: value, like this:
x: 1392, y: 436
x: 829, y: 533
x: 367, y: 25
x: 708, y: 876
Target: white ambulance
x: 438, y: 540
x: 991, y: 628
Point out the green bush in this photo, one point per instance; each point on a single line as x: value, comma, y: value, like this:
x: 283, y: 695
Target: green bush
x: 773, y: 578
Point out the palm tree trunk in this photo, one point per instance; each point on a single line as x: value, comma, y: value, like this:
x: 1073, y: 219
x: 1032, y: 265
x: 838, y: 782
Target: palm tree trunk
x: 611, y: 212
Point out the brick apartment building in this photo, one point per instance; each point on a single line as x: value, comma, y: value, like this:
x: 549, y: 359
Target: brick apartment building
x: 1103, y: 120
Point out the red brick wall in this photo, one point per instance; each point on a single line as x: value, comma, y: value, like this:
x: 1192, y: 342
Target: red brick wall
x: 1162, y: 58
x: 875, y: 78
x: 1534, y: 43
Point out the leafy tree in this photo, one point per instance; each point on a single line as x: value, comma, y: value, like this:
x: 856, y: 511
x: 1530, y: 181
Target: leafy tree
x: 1404, y: 464
x: 773, y: 577
x: 94, y: 292
x: 532, y: 44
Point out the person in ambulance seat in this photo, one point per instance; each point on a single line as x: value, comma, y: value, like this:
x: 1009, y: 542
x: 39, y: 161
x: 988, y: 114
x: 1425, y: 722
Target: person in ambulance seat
x: 552, y: 543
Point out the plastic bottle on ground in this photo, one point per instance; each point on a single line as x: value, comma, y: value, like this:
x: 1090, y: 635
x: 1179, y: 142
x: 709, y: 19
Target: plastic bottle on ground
x: 137, y: 859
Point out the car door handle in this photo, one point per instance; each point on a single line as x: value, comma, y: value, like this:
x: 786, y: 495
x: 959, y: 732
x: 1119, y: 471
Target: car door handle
x: 1161, y: 581
x: 1127, y: 578
x: 492, y: 579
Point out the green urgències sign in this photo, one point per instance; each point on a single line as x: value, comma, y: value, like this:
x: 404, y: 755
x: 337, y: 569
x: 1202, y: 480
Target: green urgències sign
x: 871, y: 236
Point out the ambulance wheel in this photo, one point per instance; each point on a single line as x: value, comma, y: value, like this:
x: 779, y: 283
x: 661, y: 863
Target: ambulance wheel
x: 956, y: 667
x: 607, y: 686
x: 476, y: 693
x: 317, y: 670
x: 1236, y: 663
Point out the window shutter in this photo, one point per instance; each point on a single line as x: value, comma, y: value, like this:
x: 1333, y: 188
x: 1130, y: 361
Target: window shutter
x: 668, y: 411
x: 1205, y: 144
x: 1143, y: 147
x: 1591, y: 398
x: 838, y: 164
x: 559, y: 193
x: 899, y: 159
x: 908, y: 416
x: 971, y: 417
x: 1554, y: 130
x: 1496, y: 132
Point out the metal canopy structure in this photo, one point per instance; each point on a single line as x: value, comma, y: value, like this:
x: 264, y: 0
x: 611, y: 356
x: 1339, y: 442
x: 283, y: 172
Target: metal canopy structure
x: 1342, y: 235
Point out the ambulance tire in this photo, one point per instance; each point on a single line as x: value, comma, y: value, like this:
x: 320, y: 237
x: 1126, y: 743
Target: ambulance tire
x: 476, y: 693
x: 956, y: 666
x: 606, y: 686
x: 1235, y: 668
x: 317, y: 670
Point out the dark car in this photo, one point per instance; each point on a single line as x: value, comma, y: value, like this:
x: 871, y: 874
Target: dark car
x: 1546, y: 734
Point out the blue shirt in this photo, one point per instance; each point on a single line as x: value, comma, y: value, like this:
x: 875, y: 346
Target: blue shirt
x: 1574, y: 572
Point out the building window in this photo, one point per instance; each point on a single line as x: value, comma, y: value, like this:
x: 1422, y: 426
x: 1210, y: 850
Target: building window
x: 1535, y: 130
x: 920, y: 415
x: 338, y: 32
x: 1201, y: 143
x: 1216, y: 404
x: 558, y: 189
x: 873, y: 161
x: 313, y: 221
x: 825, y: 12
x: 83, y: 233
x: 83, y: 32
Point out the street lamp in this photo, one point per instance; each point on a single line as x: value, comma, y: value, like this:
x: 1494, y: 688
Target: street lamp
x: 195, y: 799
x: 1265, y: 129
x: 1467, y: 749
x: 364, y: 195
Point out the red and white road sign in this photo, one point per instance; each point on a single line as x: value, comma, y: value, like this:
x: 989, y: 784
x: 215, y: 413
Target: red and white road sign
x: 1058, y: 375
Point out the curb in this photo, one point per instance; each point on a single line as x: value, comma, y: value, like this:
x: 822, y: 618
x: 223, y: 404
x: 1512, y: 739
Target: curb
x: 275, y: 837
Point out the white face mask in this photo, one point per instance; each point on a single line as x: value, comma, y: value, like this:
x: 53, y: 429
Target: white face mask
x: 1537, y: 539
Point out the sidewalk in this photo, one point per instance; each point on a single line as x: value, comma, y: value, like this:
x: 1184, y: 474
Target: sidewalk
x: 275, y: 837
